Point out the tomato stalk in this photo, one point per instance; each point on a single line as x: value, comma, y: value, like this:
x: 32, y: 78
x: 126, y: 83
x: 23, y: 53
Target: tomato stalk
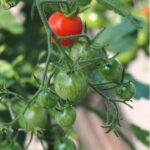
x: 49, y: 34
x: 21, y: 114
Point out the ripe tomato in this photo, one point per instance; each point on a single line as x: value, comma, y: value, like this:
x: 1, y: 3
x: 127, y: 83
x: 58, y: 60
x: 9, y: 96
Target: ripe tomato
x: 71, y: 86
x: 34, y: 118
x: 64, y: 144
x: 62, y: 25
x: 112, y: 71
x: 88, y: 57
x: 65, y: 117
x: 126, y: 91
x: 47, y: 99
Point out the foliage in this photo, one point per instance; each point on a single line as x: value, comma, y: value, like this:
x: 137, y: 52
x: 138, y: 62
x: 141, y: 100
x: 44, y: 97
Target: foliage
x: 40, y: 85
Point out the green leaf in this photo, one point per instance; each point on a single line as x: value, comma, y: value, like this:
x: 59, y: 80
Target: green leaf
x: 10, y: 22
x: 113, y: 36
x: 120, y: 8
x: 2, y: 108
x: 6, y: 70
x: 141, y: 134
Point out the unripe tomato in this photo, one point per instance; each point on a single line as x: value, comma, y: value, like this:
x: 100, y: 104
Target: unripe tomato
x: 6, y: 4
x: 47, y: 99
x: 65, y: 117
x: 62, y: 25
x: 34, y: 118
x: 112, y: 71
x: 71, y: 86
x: 88, y: 57
x: 65, y: 144
x: 126, y: 91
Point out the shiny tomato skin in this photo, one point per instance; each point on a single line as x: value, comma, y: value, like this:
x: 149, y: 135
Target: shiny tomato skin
x: 65, y: 117
x: 47, y: 99
x: 62, y: 25
x: 112, y: 71
x: 126, y: 91
x: 34, y: 118
x: 71, y: 86
x: 65, y: 144
x: 88, y: 57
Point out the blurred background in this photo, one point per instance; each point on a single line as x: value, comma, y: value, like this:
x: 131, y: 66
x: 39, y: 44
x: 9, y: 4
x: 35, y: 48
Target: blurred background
x: 23, y: 46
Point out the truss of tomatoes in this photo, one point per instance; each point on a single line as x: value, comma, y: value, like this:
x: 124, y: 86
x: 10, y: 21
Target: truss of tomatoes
x: 71, y: 86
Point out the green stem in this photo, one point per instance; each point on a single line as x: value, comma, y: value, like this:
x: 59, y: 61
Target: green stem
x: 49, y: 33
x: 74, y: 36
x: 26, y: 107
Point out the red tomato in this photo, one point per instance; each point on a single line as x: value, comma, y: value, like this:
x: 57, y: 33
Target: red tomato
x: 62, y: 25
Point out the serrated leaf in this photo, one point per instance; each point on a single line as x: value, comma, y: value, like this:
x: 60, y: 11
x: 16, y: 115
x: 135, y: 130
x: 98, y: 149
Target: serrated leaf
x: 141, y: 134
x: 10, y: 22
x: 120, y: 8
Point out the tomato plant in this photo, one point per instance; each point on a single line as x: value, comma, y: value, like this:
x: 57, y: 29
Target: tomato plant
x: 44, y: 82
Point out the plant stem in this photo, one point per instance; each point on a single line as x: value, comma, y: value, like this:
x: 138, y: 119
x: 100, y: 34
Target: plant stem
x: 49, y: 33
x: 26, y: 107
x: 102, y: 116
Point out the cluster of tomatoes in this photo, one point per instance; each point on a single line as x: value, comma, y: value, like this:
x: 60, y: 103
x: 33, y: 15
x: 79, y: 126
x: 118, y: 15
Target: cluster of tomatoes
x: 70, y: 86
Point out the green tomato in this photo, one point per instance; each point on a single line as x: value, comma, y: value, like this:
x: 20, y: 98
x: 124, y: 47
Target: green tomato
x: 65, y: 117
x: 47, y: 98
x: 126, y: 91
x: 71, y: 86
x: 6, y: 4
x: 65, y: 144
x: 112, y: 71
x: 88, y: 57
x: 34, y: 118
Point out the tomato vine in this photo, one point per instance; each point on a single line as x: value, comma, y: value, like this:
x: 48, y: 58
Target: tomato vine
x: 67, y: 84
